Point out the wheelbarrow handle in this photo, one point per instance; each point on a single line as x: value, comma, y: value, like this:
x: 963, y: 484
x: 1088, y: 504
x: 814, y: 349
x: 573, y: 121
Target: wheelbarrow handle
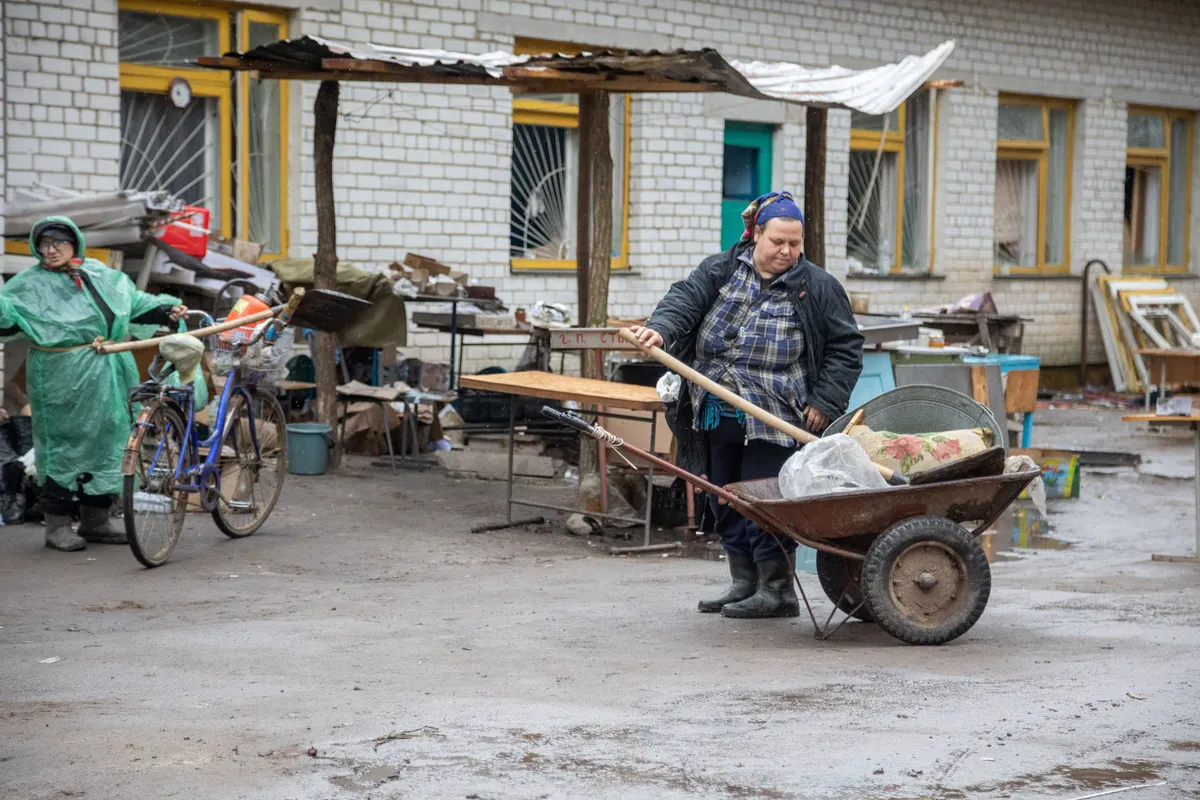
x: 571, y: 420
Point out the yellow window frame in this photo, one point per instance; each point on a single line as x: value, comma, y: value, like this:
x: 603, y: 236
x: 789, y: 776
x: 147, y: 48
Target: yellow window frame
x: 1039, y: 151
x: 280, y: 20
x: 155, y: 79
x: 893, y: 142
x: 1161, y: 158
x: 532, y: 111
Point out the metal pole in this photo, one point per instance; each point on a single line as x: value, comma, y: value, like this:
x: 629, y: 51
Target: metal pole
x: 512, y: 432
x: 1196, y: 428
x: 453, y: 336
x: 650, y: 477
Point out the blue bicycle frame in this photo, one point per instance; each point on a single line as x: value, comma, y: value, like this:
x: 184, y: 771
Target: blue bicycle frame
x: 198, y: 476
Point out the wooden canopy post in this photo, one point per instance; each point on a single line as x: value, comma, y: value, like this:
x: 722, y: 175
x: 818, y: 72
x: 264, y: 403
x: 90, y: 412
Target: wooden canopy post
x: 594, y: 262
x: 814, y: 185
x: 325, y: 113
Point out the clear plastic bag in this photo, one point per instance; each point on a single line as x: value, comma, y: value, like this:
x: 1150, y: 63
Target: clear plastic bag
x: 668, y: 387
x: 1037, y: 489
x: 834, y: 464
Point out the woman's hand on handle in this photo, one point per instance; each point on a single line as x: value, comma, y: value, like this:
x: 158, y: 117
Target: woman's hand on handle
x: 178, y: 313
x: 647, y: 336
x: 814, y: 420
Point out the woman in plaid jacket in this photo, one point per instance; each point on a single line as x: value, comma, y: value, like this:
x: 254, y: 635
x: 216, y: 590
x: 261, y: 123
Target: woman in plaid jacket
x: 776, y: 329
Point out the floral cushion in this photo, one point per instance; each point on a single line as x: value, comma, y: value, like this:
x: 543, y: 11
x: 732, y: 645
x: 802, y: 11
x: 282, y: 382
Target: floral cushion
x: 910, y: 453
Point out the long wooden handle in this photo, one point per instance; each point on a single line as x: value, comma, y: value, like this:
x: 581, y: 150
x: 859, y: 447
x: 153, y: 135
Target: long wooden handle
x: 711, y: 386
x: 229, y: 324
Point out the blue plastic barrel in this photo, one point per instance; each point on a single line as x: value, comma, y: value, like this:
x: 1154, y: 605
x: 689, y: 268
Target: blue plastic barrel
x: 308, y: 448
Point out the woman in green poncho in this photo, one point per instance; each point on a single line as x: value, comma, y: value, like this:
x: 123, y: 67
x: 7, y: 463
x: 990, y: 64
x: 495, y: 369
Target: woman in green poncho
x: 78, y: 398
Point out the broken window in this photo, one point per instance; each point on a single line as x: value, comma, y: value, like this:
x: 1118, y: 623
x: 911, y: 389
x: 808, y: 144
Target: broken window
x: 891, y: 183
x: 1157, y: 185
x: 1031, y: 226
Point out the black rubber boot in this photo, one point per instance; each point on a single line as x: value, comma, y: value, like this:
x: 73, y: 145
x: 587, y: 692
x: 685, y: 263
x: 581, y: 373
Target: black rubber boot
x: 95, y: 525
x: 776, y: 595
x: 59, y: 534
x: 744, y: 583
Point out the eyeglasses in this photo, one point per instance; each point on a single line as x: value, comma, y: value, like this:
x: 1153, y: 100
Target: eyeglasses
x: 52, y: 244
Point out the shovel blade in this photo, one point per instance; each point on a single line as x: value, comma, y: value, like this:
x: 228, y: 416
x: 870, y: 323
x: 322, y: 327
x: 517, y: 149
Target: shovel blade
x: 328, y: 311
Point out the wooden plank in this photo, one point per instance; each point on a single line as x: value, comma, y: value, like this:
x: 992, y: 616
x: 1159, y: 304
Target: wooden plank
x: 1020, y: 392
x: 1176, y: 559
x: 534, y: 383
x: 814, y: 186
x: 587, y: 339
x: 1156, y: 418
x: 979, y: 384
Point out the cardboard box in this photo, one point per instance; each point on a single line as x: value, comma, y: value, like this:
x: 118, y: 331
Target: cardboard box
x: 431, y: 265
x: 459, y: 277
x: 1060, y: 471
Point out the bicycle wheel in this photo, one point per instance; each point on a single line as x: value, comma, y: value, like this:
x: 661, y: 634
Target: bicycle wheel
x: 252, y: 469
x: 154, y: 509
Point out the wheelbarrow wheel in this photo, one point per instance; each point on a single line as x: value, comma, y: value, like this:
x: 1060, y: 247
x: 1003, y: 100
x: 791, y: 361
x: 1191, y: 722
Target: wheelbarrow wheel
x: 926, y: 580
x: 836, y: 573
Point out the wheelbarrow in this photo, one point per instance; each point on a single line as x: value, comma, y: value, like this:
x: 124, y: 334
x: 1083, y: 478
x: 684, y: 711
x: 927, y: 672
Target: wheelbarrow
x: 902, y: 556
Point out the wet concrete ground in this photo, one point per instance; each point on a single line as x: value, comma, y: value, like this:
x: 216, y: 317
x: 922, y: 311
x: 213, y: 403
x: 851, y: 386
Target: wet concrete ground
x: 365, y: 645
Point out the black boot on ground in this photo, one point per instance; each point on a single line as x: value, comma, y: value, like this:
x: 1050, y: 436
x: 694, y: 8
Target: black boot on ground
x: 776, y: 595
x: 744, y: 583
x: 96, y: 526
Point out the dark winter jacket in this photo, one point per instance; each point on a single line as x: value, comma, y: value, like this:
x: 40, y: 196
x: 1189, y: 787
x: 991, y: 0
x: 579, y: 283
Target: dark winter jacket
x: 832, y: 343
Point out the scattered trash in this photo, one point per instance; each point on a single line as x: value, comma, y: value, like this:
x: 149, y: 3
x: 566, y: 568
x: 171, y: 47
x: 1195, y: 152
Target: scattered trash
x: 51, y: 660
x: 428, y: 730
x: 1134, y: 696
x: 1037, y: 490
x: 668, y: 387
x: 312, y: 752
x: 1120, y: 789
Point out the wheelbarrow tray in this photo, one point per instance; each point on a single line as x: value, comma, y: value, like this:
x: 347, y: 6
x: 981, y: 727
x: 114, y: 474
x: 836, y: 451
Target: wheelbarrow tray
x: 870, y: 512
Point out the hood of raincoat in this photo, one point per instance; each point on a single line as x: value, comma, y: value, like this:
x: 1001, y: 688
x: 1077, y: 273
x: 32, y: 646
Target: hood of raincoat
x: 42, y: 223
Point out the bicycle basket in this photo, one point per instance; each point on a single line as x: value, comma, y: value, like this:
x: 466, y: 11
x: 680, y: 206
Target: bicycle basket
x: 260, y: 362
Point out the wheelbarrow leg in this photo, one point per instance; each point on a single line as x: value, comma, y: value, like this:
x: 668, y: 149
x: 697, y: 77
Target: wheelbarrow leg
x: 825, y: 633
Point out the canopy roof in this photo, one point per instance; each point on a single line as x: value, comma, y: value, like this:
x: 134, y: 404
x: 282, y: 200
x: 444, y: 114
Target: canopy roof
x: 871, y: 91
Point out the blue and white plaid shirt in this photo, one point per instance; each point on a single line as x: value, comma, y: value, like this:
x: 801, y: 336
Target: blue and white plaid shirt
x: 751, y: 341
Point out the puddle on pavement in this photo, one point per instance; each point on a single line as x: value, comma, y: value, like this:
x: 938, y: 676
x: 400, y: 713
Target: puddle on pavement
x: 1068, y: 778
x: 1020, y: 527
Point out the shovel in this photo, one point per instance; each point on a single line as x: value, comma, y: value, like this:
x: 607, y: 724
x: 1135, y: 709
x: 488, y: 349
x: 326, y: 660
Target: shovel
x: 762, y: 415
x: 320, y: 309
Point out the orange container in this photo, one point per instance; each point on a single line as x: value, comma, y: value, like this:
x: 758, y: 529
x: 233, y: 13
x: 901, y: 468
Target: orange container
x: 246, y: 305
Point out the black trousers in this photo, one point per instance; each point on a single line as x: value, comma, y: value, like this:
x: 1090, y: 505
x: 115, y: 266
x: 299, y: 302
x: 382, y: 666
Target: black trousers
x: 730, y: 459
x: 57, y: 499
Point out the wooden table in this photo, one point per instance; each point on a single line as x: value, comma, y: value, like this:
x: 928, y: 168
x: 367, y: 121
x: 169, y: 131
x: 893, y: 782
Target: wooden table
x: 1194, y: 423
x: 534, y: 383
x: 1172, y: 366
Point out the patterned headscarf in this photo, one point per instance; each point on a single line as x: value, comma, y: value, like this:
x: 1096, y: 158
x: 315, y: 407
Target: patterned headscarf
x: 768, y: 207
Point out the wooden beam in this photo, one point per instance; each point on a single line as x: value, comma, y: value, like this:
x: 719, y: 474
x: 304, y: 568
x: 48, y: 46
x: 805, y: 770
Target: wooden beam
x: 325, y: 114
x: 814, y: 185
x: 618, y: 85
x: 583, y: 212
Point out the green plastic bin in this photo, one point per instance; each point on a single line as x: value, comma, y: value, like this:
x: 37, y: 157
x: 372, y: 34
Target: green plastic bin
x: 308, y: 448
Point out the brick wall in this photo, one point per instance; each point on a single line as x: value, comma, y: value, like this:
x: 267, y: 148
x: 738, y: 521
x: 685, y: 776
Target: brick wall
x: 426, y: 169
x: 62, y: 98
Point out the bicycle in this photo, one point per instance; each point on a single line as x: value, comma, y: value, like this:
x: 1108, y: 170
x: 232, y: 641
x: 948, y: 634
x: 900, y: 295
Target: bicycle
x: 237, y: 471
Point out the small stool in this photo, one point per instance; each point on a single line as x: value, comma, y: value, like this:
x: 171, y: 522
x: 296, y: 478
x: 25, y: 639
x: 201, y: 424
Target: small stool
x: 384, y: 407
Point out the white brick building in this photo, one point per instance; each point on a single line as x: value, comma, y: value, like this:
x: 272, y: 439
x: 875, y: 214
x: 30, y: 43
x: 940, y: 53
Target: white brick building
x: 431, y: 169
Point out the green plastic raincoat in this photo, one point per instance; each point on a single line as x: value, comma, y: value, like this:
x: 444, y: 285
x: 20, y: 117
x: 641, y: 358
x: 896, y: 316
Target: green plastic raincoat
x: 79, y: 398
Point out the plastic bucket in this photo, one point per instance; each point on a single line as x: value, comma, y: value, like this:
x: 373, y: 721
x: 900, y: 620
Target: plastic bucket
x: 308, y: 449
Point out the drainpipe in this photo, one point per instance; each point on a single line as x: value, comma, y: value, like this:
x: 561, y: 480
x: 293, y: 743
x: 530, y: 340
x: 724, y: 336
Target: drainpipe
x: 1083, y: 330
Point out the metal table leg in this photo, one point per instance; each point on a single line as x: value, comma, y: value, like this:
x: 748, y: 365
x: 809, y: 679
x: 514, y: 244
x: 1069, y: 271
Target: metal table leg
x: 387, y: 435
x: 650, y: 477
x: 1196, y: 429
x: 453, y: 337
x: 512, y: 433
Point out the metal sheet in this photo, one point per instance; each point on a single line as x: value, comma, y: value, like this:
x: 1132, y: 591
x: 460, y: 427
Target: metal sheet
x: 877, y: 90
